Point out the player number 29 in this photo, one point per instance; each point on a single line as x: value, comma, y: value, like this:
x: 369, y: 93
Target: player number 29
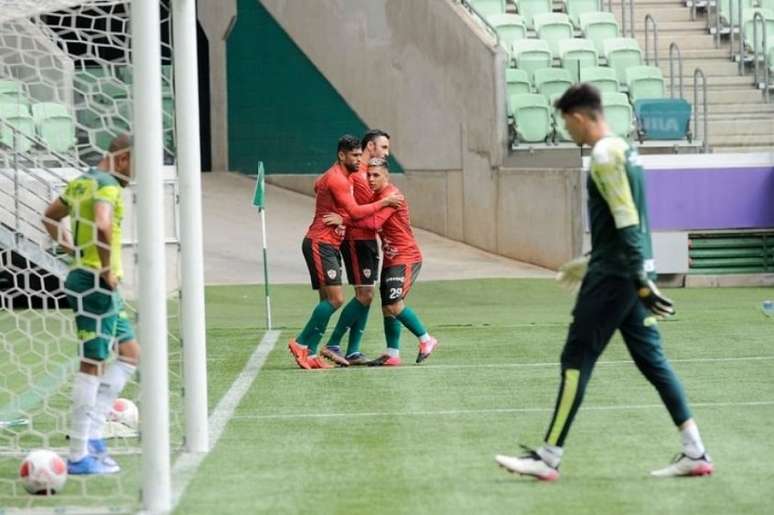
x: 395, y: 293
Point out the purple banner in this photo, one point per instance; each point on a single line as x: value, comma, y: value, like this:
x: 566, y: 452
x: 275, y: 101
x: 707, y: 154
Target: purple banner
x: 723, y: 198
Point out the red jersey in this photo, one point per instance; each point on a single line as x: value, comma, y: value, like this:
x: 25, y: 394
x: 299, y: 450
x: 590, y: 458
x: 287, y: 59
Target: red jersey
x: 363, y: 195
x: 399, y: 246
x: 333, y: 194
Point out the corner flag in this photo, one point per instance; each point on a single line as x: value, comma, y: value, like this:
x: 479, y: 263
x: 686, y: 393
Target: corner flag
x: 259, y: 198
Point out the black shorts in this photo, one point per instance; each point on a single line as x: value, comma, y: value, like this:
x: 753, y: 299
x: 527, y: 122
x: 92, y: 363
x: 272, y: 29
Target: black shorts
x: 397, y: 282
x: 324, y: 263
x: 361, y: 261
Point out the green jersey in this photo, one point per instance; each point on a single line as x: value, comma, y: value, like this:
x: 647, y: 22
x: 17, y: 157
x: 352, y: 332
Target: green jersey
x: 616, y: 187
x: 80, y: 196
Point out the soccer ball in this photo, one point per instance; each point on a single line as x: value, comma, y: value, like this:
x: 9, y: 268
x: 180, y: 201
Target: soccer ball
x: 43, y: 472
x: 125, y: 412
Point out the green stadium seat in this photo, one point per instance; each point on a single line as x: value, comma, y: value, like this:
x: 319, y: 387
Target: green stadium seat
x: 560, y: 130
x: 532, y: 54
x: 576, y: 54
x: 10, y: 90
x: 517, y: 82
x: 725, y: 7
x: 529, y: 8
x: 54, y: 125
x: 553, y: 28
x: 510, y: 28
x: 644, y: 82
x: 602, y: 77
x: 574, y: 8
x: 748, y: 30
x: 599, y: 27
x: 16, y: 116
x: 618, y: 113
x: 622, y: 53
x: 488, y: 7
x: 532, y: 117
x: 551, y: 82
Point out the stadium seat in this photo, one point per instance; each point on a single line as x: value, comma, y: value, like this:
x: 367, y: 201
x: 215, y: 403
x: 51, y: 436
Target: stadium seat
x: 529, y: 8
x: 560, y: 131
x: 599, y: 27
x: 551, y: 82
x: 663, y: 118
x: 644, y: 82
x: 725, y: 7
x: 766, y: 4
x: 10, y: 90
x: 576, y: 54
x: 602, y: 77
x: 510, y: 28
x: 532, y: 117
x: 16, y: 116
x: 574, y: 8
x: 622, y: 53
x: 748, y: 30
x: 618, y: 113
x: 54, y: 125
x: 553, y: 28
x: 489, y: 7
x: 532, y: 54
x: 517, y: 82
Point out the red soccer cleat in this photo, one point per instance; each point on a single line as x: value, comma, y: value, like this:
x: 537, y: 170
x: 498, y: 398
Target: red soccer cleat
x: 300, y: 354
x: 316, y: 362
x: 385, y: 360
x: 426, y: 348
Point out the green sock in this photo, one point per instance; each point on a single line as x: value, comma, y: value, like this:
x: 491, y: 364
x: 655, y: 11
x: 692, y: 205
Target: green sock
x: 392, y: 332
x: 357, y: 330
x: 315, y: 328
x: 348, y: 318
x: 412, y: 322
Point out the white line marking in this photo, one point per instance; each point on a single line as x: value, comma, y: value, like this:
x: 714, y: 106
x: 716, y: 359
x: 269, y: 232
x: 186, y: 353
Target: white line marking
x: 186, y: 465
x: 491, y: 410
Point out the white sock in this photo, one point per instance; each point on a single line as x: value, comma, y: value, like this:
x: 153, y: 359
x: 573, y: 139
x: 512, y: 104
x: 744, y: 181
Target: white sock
x: 394, y: 353
x: 110, y: 386
x: 551, y: 454
x: 425, y: 338
x: 693, y: 447
x: 84, y: 397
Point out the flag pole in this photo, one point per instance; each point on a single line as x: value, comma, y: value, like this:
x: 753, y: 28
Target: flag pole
x: 259, y: 202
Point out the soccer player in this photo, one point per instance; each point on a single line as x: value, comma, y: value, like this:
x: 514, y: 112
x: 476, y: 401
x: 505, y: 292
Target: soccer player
x: 617, y: 292
x: 333, y: 193
x: 95, y: 206
x: 402, y: 261
x: 360, y: 252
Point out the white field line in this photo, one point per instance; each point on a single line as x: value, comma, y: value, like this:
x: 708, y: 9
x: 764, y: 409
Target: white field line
x: 186, y: 465
x: 291, y: 416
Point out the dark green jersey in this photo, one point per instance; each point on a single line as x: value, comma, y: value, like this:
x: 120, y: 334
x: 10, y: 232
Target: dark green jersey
x: 616, y: 188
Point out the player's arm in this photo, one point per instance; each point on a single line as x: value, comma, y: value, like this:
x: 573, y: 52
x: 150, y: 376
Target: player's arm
x: 342, y: 194
x: 373, y: 222
x: 52, y: 221
x: 609, y: 174
x: 104, y: 201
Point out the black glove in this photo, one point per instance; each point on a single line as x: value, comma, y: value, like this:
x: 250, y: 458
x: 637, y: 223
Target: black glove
x: 652, y: 298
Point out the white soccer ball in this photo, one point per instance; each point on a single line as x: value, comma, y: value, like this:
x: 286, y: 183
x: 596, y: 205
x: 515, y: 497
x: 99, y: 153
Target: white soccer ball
x: 43, y: 472
x: 125, y: 412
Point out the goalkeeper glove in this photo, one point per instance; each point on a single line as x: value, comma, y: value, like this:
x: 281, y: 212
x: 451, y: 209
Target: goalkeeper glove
x: 652, y: 298
x: 571, y: 273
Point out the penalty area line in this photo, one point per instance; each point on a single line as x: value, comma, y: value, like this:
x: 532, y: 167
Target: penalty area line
x: 187, y: 464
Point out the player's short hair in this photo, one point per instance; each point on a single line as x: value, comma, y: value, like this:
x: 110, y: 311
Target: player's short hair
x: 347, y: 143
x: 120, y: 143
x: 378, y: 162
x: 371, y: 135
x: 580, y: 97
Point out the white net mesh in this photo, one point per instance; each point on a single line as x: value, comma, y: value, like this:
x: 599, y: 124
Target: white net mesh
x: 65, y: 94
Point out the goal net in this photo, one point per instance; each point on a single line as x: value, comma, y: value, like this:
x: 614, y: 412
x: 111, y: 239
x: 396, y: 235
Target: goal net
x: 66, y: 92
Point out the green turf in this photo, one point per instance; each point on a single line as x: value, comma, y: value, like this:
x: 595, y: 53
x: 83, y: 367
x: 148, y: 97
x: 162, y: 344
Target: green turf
x: 421, y: 439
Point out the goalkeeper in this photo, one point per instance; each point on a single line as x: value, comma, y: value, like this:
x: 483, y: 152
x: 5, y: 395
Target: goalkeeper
x: 616, y: 292
x: 95, y: 206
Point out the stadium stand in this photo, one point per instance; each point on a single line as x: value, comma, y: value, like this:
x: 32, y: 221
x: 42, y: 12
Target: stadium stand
x: 532, y: 54
x: 517, y: 82
x: 531, y: 118
x: 553, y: 28
x: 529, y: 8
x: 644, y: 82
x: 54, y: 125
x: 552, y: 82
x: 603, y: 77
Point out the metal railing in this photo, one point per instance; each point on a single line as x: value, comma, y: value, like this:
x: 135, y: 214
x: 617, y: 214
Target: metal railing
x: 466, y: 4
x: 741, y: 39
x: 651, y: 22
x: 625, y: 18
x: 674, y: 49
x: 698, y: 73
x: 765, y: 57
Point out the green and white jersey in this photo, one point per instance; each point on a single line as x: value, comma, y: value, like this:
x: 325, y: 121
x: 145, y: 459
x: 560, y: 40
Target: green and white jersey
x: 80, y: 196
x: 616, y: 187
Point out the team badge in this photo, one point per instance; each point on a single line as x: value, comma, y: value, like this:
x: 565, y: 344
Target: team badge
x: 367, y: 272
x: 332, y: 274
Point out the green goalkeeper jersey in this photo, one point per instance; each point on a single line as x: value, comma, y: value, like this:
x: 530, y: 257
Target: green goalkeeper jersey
x: 616, y: 201
x: 80, y: 196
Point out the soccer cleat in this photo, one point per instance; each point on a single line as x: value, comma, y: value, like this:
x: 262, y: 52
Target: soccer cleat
x: 530, y: 464
x: 683, y: 465
x: 300, y: 353
x: 335, y: 355
x: 357, y: 359
x: 316, y: 362
x: 426, y: 348
x: 98, y: 449
x: 385, y: 360
x: 89, y: 466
